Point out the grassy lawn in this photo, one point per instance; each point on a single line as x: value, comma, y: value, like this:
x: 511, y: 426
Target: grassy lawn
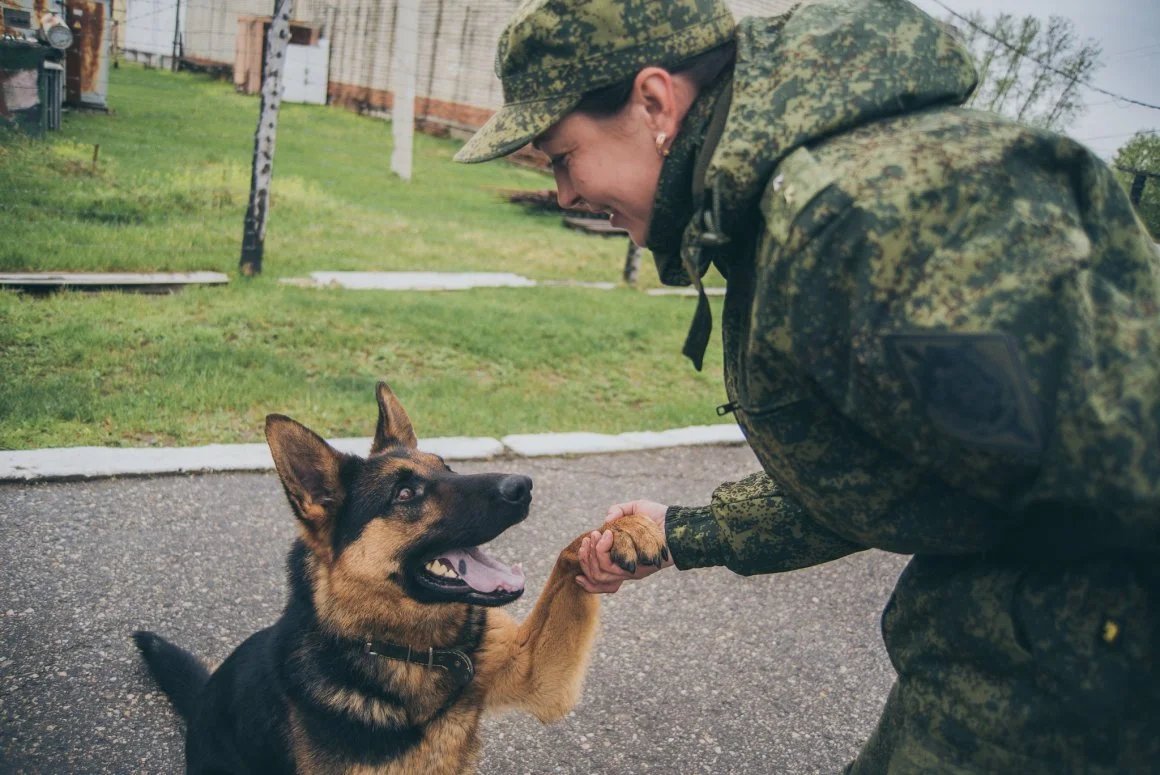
x: 168, y: 192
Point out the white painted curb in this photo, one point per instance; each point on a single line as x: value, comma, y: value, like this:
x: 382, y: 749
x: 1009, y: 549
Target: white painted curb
x: 96, y: 462
x: 541, y: 444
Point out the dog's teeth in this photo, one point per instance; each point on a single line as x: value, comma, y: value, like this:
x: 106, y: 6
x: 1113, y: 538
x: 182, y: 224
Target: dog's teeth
x: 439, y: 568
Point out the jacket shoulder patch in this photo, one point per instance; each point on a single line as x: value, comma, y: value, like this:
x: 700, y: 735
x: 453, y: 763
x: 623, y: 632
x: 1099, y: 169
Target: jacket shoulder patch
x: 972, y: 387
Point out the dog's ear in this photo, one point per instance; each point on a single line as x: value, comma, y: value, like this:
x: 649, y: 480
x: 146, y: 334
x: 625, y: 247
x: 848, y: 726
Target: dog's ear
x: 309, y: 469
x: 394, y: 426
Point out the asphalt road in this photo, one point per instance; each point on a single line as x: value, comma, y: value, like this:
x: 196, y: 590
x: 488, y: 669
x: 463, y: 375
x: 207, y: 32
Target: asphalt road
x: 694, y: 672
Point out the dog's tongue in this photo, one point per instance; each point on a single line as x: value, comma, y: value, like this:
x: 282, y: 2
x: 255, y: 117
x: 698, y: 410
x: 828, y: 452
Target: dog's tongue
x: 483, y: 573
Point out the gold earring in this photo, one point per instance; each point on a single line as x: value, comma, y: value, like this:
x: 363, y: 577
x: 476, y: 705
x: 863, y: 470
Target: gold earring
x: 661, y: 150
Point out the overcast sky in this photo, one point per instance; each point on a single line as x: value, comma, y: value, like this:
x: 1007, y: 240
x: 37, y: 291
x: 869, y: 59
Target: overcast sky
x: 1128, y: 32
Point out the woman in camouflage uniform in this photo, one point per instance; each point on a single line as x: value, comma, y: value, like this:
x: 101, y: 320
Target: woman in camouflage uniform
x: 941, y: 338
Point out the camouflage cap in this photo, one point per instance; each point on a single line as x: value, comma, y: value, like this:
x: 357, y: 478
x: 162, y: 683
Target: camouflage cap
x: 552, y: 52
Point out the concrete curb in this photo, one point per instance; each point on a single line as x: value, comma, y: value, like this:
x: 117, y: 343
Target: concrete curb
x: 97, y: 462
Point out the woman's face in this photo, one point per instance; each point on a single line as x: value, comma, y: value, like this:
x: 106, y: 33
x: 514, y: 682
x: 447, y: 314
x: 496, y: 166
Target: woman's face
x: 606, y: 164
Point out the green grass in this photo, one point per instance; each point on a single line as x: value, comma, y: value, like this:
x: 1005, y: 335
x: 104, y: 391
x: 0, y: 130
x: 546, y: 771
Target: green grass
x: 168, y: 193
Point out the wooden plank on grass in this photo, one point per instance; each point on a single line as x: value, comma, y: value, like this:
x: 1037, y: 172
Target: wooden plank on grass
x: 151, y: 281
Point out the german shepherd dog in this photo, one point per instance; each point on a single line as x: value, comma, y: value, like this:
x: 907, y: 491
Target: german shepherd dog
x: 391, y: 645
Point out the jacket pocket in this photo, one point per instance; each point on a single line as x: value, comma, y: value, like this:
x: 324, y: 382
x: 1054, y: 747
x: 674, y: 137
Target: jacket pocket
x: 800, y: 200
x: 1090, y: 627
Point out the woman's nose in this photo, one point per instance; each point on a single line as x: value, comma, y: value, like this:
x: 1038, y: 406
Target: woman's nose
x: 566, y: 196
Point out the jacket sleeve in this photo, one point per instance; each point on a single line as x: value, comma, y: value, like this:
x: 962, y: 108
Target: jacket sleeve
x: 992, y: 323
x: 751, y: 527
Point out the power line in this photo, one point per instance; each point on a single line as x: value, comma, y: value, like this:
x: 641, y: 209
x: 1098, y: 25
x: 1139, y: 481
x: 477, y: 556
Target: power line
x: 1115, y: 136
x: 1044, y: 65
x: 1136, y: 51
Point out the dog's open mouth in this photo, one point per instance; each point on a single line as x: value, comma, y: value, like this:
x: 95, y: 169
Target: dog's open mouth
x: 470, y: 575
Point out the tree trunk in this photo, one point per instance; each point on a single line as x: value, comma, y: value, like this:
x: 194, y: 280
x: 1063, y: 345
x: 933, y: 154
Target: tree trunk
x: 254, y: 231
x: 632, y: 263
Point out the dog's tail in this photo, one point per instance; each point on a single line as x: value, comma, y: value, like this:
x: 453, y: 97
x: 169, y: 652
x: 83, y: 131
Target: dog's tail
x: 179, y: 674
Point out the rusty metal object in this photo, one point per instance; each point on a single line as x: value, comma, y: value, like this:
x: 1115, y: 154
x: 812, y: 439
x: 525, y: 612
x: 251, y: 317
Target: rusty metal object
x: 24, y: 61
x: 87, y: 60
x: 54, y: 32
x: 21, y: 18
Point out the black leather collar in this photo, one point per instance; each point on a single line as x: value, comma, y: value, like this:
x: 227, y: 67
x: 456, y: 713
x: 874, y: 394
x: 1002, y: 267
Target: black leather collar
x: 456, y: 662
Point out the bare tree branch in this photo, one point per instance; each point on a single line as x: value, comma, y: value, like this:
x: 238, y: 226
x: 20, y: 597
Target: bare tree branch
x: 1029, y: 70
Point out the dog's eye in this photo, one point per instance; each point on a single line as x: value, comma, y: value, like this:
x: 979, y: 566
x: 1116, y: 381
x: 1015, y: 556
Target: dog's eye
x: 404, y: 494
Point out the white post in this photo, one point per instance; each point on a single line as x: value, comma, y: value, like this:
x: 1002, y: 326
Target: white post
x: 404, y: 72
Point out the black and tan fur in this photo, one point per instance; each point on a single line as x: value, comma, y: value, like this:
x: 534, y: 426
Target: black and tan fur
x: 305, y: 696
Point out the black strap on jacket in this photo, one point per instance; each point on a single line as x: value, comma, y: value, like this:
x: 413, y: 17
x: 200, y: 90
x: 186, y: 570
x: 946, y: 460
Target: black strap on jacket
x: 711, y: 233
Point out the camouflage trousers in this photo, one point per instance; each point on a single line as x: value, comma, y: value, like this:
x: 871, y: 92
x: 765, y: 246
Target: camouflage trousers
x: 1006, y: 666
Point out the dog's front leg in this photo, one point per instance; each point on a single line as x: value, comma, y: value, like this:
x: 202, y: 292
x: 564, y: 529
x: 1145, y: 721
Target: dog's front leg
x: 539, y: 664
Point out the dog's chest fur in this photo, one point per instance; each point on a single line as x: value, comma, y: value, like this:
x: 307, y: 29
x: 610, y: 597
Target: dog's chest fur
x: 449, y: 746
x: 353, y: 712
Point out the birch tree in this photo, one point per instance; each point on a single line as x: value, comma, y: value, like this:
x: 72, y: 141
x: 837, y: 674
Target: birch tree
x: 254, y: 229
x: 1030, y: 70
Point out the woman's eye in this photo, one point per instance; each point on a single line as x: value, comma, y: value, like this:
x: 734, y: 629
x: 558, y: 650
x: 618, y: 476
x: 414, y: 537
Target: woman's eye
x: 404, y: 494
x: 559, y: 162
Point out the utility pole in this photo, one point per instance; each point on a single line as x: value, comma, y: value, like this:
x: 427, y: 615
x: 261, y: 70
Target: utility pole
x: 404, y: 73
x: 1139, y: 178
x: 175, y: 65
x: 254, y: 232
x: 1137, y: 192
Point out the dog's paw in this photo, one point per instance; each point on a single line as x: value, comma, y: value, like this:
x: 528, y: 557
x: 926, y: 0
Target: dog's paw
x: 636, y: 540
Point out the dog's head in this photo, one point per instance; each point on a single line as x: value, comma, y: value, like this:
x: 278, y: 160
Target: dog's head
x: 398, y: 527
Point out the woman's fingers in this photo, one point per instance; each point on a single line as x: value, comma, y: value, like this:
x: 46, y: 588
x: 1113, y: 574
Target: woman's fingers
x: 601, y: 574
x: 596, y: 559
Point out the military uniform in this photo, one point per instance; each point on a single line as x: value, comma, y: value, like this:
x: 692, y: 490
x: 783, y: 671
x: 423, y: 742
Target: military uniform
x: 942, y: 339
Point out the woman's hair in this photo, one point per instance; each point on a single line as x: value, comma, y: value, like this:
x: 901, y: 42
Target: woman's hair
x: 701, y: 69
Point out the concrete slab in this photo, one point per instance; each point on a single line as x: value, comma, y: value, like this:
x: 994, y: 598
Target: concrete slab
x: 713, y: 291
x: 420, y: 281
x: 578, y: 284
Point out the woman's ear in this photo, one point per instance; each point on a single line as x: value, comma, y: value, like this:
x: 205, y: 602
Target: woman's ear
x: 653, y: 92
x: 664, y: 98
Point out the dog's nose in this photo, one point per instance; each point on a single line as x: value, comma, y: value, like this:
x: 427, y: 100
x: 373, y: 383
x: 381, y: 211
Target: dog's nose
x: 515, y: 488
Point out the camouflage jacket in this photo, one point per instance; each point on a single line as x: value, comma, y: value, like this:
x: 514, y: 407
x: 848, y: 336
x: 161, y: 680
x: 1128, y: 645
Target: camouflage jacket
x: 941, y: 328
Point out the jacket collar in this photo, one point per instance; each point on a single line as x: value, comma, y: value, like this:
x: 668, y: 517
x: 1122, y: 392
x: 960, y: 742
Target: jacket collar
x: 678, y: 188
x: 814, y: 72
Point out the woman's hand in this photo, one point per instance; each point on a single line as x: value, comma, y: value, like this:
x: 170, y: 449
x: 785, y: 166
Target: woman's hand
x: 601, y: 574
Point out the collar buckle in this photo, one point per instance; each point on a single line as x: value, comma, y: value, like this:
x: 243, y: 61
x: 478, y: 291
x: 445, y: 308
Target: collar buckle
x: 454, y: 661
